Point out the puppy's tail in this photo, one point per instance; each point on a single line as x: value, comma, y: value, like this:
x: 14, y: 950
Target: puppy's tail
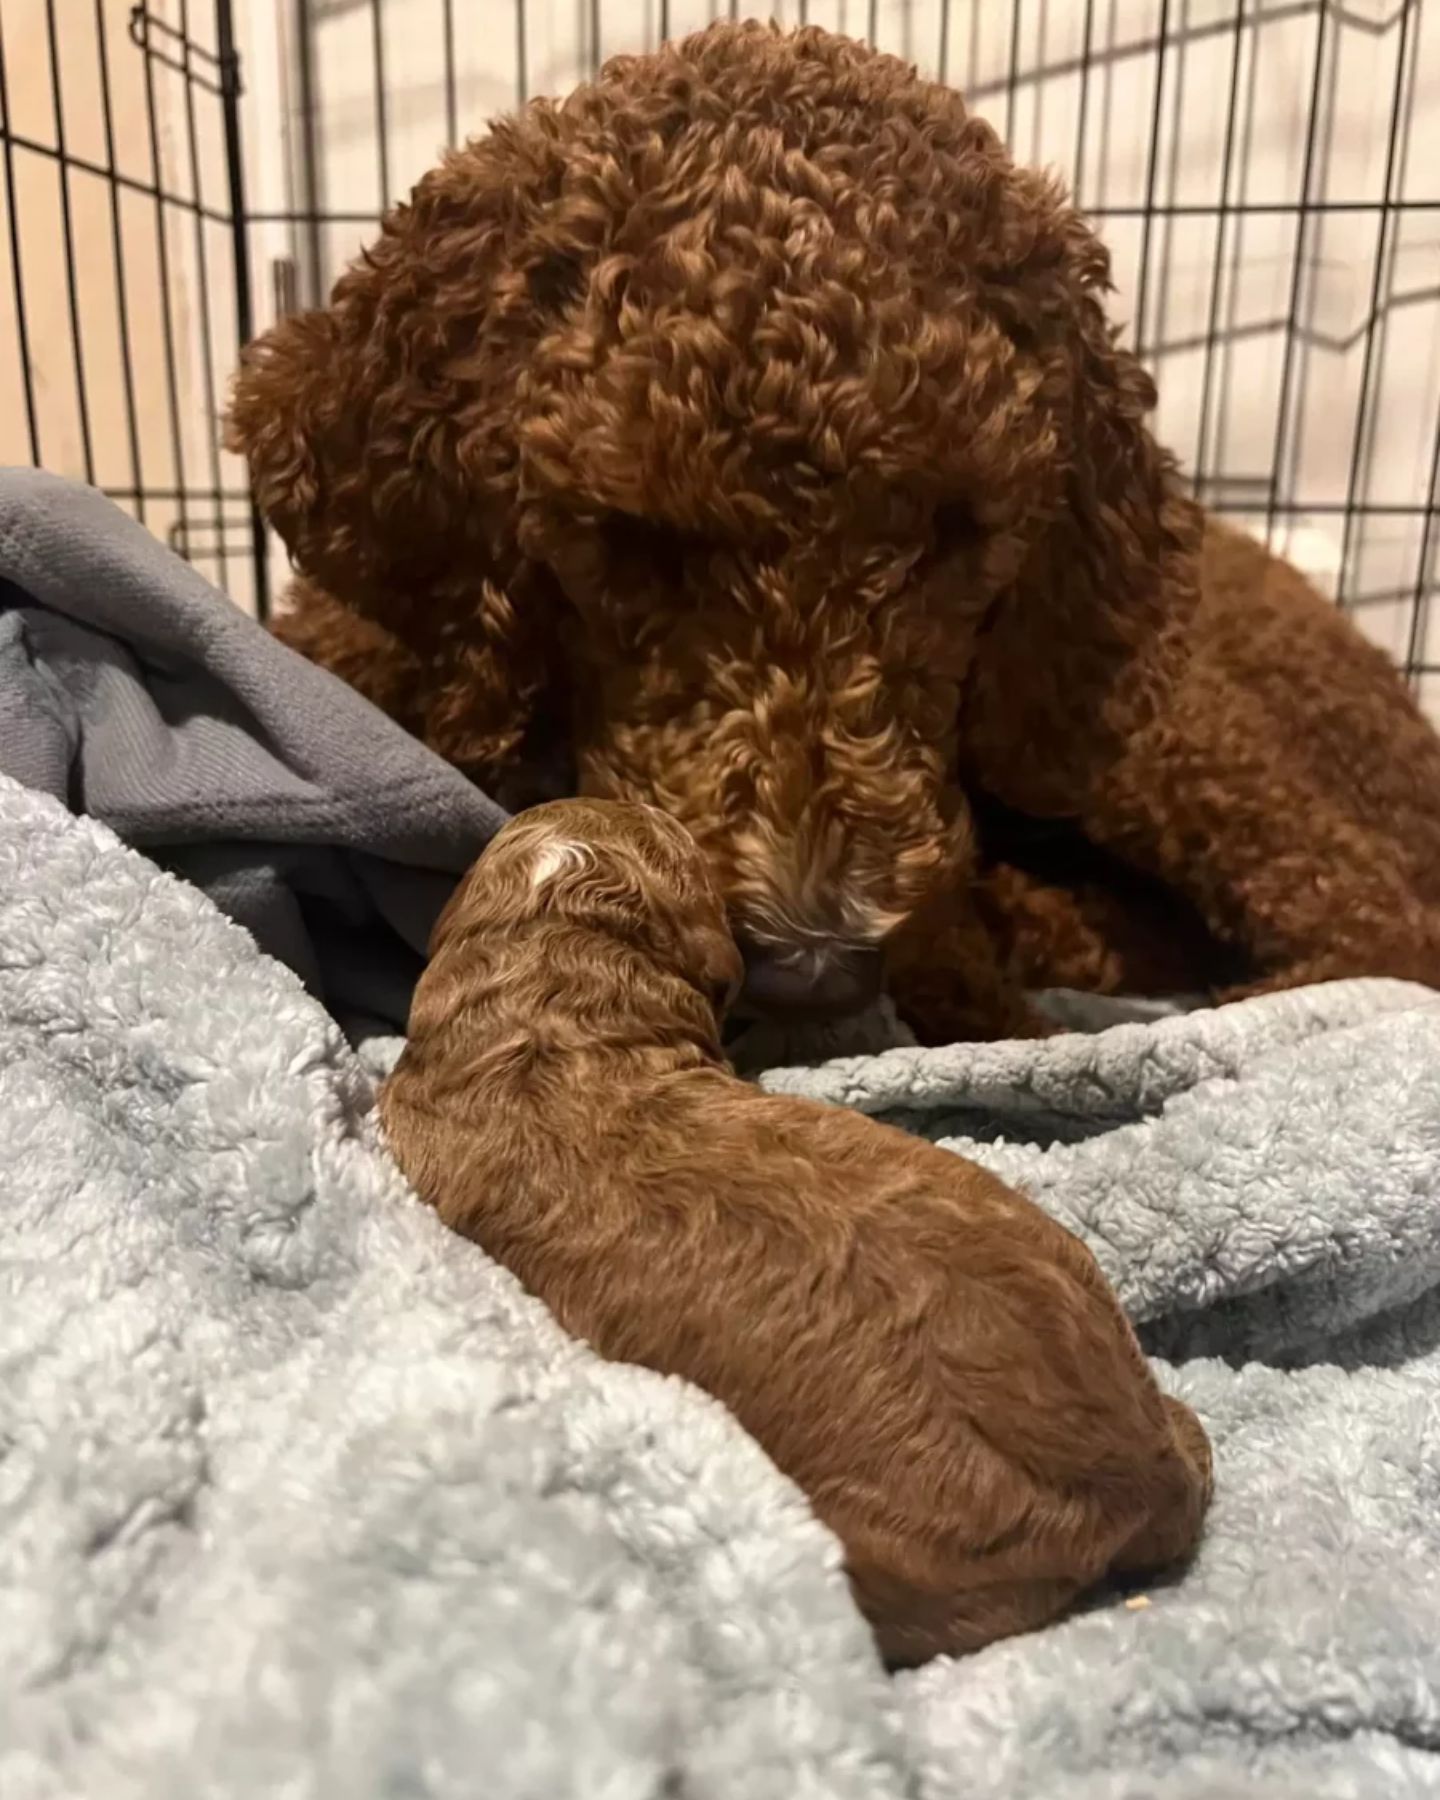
x: 1183, y: 1484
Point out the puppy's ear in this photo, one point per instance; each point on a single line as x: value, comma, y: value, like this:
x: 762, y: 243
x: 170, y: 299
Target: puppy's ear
x: 491, y: 889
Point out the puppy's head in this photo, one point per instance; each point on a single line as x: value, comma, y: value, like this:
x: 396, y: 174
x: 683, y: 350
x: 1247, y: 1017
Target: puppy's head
x: 622, y: 871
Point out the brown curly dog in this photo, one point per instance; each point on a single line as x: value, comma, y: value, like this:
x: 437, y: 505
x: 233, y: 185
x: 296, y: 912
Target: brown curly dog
x: 939, y: 1365
x: 749, y: 426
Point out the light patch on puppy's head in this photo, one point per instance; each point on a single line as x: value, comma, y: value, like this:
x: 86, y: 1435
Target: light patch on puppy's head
x: 559, y: 856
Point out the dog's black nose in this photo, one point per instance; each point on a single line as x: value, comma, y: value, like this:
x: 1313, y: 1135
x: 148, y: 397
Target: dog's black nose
x: 821, y: 981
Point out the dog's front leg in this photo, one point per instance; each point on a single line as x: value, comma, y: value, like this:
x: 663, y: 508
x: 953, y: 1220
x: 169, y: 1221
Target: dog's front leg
x: 947, y: 979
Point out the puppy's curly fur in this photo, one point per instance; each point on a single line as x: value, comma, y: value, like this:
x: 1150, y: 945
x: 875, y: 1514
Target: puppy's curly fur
x: 750, y: 424
x: 748, y: 410
x: 941, y: 1367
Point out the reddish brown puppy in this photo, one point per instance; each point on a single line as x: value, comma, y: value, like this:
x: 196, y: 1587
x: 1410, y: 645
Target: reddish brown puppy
x: 939, y: 1365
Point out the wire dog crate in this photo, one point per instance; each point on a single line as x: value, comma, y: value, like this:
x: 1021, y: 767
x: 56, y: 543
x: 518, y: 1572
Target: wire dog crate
x: 1266, y: 172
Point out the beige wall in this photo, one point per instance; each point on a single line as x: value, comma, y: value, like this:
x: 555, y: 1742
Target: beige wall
x: 159, y: 434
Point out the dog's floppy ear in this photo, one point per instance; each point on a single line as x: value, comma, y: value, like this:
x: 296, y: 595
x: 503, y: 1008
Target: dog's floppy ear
x: 423, y: 630
x: 1085, y: 650
x: 290, y: 418
x: 375, y: 442
x: 379, y: 436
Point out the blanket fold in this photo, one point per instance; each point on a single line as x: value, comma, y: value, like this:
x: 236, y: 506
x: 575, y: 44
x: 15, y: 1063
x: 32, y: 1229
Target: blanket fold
x: 133, y: 691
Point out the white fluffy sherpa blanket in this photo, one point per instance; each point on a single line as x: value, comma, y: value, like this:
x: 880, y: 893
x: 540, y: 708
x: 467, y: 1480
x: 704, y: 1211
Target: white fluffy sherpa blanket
x: 300, y: 1495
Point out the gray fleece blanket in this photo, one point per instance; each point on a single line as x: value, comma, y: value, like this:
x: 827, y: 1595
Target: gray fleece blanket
x: 131, y: 690
x: 300, y: 1495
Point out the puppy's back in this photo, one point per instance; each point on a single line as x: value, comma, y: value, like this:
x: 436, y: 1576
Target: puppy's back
x: 939, y: 1365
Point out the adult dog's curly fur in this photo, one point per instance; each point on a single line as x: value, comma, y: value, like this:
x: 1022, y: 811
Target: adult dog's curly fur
x: 939, y: 1365
x: 750, y: 423
x: 1288, y: 796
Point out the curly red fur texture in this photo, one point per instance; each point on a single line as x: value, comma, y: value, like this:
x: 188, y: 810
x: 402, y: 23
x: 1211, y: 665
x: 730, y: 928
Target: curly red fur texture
x: 753, y: 397
x: 939, y: 1365
x: 1291, y: 788
x: 1287, y: 802
x: 748, y: 426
